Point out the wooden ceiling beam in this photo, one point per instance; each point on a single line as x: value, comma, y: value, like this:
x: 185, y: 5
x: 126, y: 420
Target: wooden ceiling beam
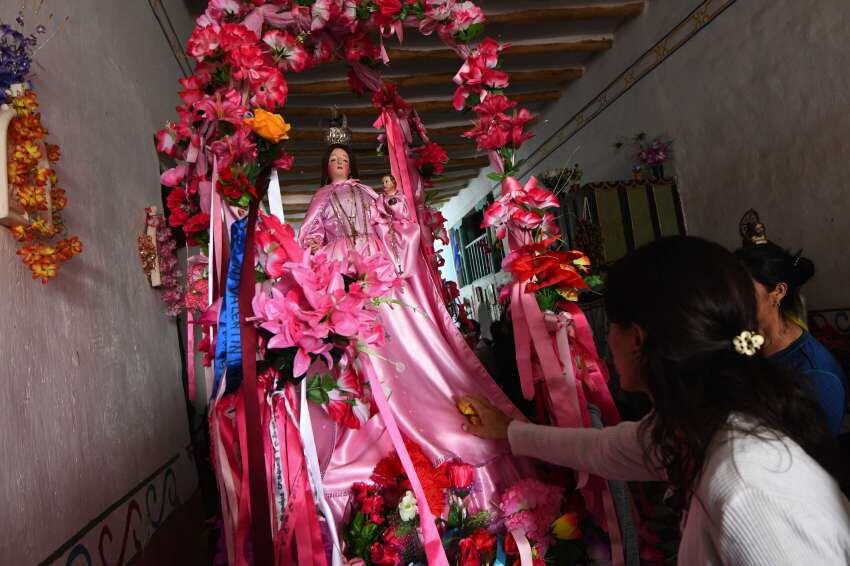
x: 572, y: 46
x: 367, y: 136
x: 423, y: 106
x: 417, y: 81
x: 570, y: 14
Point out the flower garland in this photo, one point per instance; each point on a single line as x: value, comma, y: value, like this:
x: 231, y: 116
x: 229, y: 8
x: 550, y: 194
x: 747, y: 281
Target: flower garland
x: 31, y: 177
x: 233, y: 103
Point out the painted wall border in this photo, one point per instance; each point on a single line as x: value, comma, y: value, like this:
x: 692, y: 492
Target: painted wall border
x: 683, y: 32
x: 124, y: 528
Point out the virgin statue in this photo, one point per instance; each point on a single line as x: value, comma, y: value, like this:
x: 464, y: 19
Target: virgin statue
x: 425, y: 366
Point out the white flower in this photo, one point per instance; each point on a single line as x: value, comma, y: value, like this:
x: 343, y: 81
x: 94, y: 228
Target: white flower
x: 407, y: 508
x: 748, y: 343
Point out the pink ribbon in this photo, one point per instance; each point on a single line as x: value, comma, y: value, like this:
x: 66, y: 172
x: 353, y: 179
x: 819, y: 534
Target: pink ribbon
x: 190, y: 353
x: 397, y: 146
x: 433, y: 545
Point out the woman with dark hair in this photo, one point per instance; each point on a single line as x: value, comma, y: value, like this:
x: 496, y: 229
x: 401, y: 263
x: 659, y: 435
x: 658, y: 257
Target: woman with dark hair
x: 738, y: 437
x: 777, y: 276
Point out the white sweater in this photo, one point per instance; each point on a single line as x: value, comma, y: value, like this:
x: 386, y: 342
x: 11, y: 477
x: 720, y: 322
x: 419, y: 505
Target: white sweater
x: 759, y: 501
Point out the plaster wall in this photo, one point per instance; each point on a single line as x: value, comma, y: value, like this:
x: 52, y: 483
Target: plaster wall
x: 756, y: 103
x: 91, y: 401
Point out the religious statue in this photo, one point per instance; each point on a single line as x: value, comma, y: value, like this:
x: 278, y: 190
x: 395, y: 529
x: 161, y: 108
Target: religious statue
x: 397, y: 228
x: 425, y: 365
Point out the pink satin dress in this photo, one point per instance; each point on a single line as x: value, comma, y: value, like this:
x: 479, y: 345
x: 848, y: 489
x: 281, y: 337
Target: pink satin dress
x: 426, y: 365
x: 399, y: 232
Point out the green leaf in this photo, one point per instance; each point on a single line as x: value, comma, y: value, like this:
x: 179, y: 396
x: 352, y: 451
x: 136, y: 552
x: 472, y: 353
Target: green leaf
x: 328, y: 382
x: 495, y: 176
x: 470, y: 33
x: 316, y: 396
x: 244, y: 200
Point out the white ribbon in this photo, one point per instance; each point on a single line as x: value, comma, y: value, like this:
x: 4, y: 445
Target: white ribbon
x: 311, y: 458
x: 524, y: 548
x: 275, y: 200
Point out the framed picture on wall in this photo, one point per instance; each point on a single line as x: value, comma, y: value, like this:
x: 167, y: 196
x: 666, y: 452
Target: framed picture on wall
x: 627, y: 213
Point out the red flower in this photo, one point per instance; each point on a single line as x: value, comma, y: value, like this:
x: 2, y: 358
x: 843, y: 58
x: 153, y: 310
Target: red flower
x: 234, y: 36
x: 388, y: 10
x: 389, y: 99
x: 246, y: 61
x: 270, y: 89
x: 284, y: 161
x: 203, y: 42
x: 193, y: 89
x: 384, y: 554
x: 468, y: 553
x: 359, y: 47
x: 343, y: 412
x: 460, y: 475
x: 389, y: 472
x: 196, y: 223
x: 431, y: 159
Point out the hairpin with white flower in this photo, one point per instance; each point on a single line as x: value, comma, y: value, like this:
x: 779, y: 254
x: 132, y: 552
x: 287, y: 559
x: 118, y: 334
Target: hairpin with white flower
x: 748, y: 343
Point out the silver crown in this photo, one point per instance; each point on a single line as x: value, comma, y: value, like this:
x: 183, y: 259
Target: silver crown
x: 338, y: 132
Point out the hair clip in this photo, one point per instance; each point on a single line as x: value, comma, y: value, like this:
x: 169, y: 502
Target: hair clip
x: 748, y: 343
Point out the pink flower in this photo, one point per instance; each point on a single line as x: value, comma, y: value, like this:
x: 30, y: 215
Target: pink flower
x: 226, y: 106
x: 235, y: 147
x: 203, y: 42
x: 246, y: 61
x: 284, y: 161
x: 166, y: 141
x: 474, y: 77
x: 489, y: 49
x: 287, y: 51
x: 536, y: 197
x: 193, y: 89
x: 461, y: 475
x: 234, y: 36
x: 526, y: 219
x: 174, y: 176
x: 269, y: 89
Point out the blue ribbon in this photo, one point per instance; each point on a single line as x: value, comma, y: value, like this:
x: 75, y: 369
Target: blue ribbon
x: 228, y: 347
x: 500, y: 552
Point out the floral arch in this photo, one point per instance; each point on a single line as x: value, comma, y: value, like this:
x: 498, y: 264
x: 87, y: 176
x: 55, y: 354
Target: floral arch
x: 231, y: 138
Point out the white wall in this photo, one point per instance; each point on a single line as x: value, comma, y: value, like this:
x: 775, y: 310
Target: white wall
x: 91, y: 401
x: 757, y: 103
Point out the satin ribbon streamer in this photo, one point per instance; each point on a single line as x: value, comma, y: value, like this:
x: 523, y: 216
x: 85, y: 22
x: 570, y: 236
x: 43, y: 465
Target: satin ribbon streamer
x: 524, y: 548
x: 433, y: 545
x: 228, y: 347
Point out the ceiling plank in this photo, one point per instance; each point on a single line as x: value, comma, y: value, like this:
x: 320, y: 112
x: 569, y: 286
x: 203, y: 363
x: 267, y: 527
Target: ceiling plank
x: 423, y: 106
x: 581, y: 45
x: 366, y: 136
x: 341, y: 86
x: 570, y: 14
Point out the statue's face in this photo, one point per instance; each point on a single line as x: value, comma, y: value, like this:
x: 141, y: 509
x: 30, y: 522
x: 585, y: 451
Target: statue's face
x: 339, y: 168
x: 389, y: 184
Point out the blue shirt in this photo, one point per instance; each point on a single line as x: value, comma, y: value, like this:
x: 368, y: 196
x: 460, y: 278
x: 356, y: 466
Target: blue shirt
x: 813, y: 360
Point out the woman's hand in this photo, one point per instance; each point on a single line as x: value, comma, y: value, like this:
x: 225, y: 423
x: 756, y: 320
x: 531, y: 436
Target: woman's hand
x: 492, y: 424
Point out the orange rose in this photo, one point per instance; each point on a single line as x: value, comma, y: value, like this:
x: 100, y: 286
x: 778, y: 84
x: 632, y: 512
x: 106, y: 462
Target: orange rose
x: 269, y: 126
